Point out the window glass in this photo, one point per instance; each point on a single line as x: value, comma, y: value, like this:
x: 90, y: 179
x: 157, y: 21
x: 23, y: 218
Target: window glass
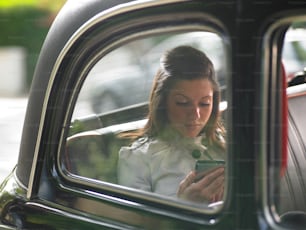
x: 291, y: 201
x: 113, y: 105
x: 294, y: 51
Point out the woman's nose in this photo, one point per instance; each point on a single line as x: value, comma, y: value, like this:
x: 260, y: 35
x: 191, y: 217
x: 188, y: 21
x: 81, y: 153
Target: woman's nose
x: 195, y: 112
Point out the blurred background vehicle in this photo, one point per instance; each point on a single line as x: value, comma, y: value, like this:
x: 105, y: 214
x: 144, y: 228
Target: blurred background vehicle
x: 136, y: 65
x: 140, y: 63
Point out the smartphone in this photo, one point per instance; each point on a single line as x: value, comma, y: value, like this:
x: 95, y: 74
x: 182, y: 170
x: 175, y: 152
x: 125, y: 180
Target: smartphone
x: 207, y: 165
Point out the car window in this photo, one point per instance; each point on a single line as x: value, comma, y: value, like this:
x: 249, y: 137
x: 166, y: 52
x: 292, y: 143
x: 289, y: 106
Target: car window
x: 114, y: 100
x: 287, y: 174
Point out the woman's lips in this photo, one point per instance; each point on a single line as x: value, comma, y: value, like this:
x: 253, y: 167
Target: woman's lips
x: 193, y: 125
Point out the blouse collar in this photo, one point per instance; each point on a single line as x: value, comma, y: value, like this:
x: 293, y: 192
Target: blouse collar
x: 195, y: 146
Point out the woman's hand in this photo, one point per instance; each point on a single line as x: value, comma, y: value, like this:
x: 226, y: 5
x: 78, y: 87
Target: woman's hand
x: 209, y: 188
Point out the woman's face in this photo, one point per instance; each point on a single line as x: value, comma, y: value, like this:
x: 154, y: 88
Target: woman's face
x: 189, y: 106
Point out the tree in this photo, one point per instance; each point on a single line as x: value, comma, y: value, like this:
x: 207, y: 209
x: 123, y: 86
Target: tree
x: 26, y: 23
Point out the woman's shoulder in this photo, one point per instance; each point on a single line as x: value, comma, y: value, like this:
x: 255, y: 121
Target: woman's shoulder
x: 145, y: 146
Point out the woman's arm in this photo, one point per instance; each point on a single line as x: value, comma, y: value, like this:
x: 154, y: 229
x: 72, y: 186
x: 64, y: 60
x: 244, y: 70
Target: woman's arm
x: 133, y: 171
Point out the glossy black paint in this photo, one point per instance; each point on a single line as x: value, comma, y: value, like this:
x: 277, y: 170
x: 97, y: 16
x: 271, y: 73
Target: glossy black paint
x: 60, y: 32
x: 50, y: 205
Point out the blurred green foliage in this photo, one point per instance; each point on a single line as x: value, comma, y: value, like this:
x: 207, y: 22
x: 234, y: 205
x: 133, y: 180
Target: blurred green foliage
x: 93, y: 155
x: 25, y: 23
x: 52, y: 5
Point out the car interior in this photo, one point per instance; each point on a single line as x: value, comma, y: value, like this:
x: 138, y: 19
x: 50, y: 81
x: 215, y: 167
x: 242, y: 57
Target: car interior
x: 293, y: 185
x: 292, y: 200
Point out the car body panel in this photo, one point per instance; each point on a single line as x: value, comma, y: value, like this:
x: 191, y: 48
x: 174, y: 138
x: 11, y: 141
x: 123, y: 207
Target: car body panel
x: 38, y: 195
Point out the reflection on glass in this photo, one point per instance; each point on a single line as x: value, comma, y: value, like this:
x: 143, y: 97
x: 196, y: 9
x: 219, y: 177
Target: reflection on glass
x: 131, y: 68
x: 294, y: 51
x: 155, y: 141
x: 290, y: 197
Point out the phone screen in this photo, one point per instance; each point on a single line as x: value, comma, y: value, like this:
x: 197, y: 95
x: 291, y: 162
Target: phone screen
x: 207, y: 165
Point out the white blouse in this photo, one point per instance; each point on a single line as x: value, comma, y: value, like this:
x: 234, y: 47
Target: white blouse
x: 158, y: 166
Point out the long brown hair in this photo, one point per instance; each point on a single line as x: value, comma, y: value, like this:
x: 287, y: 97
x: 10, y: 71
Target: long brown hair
x: 181, y: 63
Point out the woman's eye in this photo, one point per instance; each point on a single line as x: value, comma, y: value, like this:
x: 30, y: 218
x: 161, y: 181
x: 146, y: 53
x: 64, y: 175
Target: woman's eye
x: 182, y: 103
x: 204, y: 104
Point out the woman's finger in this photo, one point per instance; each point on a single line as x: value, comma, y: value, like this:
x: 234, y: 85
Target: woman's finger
x: 214, y: 191
x: 211, y: 177
x: 188, y: 180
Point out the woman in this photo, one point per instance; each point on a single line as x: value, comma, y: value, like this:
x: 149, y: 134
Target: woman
x: 183, y: 126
